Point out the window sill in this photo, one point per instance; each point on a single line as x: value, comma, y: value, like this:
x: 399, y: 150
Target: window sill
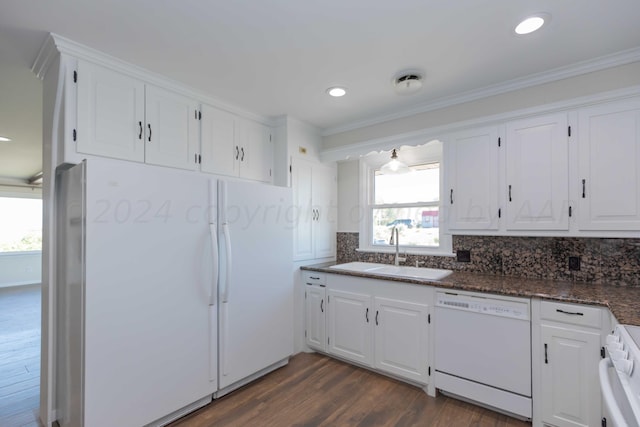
x: 412, y: 251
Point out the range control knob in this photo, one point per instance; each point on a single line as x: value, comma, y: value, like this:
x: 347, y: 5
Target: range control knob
x: 611, y: 339
x: 624, y: 366
x: 615, y: 346
x: 619, y: 354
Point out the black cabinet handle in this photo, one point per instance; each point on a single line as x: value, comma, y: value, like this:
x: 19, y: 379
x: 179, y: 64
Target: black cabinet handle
x: 509, y: 192
x: 451, y: 196
x: 584, y: 189
x: 366, y: 315
x: 237, y: 152
x: 572, y: 313
x: 242, y: 156
x: 377, y: 312
x: 322, y: 306
x: 314, y: 278
x: 546, y: 359
x: 140, y: 132
x: 149, y: 125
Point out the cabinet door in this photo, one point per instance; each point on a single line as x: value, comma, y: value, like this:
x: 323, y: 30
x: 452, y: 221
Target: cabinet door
x: 301, y: 179
x: 570, y: 392
x: 326, y: 205
x: 609, y: 166
x: 472, y: 196
x: 350, y: 318
x: 110, y: 113
x: 171, y: 131
x: 401, y: 338
x: 315, y: 327
x: 219, y: 139
x: 256, y: 152
x: 537, y: 158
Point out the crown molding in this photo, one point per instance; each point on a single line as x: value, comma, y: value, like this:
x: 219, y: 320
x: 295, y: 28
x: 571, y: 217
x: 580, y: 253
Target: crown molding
x: 47, y: 54
x: 56, y: 44
x: 573, y: 70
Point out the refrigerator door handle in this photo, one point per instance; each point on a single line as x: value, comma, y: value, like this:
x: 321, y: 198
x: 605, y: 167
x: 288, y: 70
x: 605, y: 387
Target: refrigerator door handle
x: 227, y: 243
x: 215, y: 263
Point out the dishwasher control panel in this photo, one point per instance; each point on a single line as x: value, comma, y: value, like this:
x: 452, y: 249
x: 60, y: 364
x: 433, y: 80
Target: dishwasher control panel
x: 486, y: 305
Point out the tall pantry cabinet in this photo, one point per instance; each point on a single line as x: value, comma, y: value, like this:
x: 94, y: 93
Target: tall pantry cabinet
x: 315, y: 199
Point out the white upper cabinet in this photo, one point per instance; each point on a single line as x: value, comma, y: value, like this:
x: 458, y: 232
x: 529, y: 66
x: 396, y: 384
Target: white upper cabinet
x: 234, y: 146
x: 609, y: 166
x: 537, y: 175
x: 219, y: 133
x: 121, y: 117
x: 172, y: 134
x: 110, y: 113
x: 256, y: 151
x: 472, y: 193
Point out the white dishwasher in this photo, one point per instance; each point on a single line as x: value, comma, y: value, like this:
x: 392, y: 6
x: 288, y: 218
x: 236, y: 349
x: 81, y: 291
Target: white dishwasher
x: 483, y: 350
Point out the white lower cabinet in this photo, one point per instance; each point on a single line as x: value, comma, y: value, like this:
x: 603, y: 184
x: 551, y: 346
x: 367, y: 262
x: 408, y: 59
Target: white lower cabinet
x: 374, y: 323
x: 570, y: 337
x: 401, y: 338
x: 349, y: 318
x: 315, y: 319
x: 315, y: 314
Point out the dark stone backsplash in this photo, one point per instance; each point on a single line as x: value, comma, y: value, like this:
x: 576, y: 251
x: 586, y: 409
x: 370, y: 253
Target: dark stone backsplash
x: 607, y: 261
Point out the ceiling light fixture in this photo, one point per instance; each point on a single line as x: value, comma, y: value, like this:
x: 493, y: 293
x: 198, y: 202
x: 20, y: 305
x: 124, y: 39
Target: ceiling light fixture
x: 532, y: 23
x: 4, y: 139
x: 407, y: 82
x: 394, y: 166
x: 337, y: 91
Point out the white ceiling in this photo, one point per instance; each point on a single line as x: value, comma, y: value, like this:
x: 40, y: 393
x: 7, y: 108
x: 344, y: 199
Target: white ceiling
x: 275, y: 57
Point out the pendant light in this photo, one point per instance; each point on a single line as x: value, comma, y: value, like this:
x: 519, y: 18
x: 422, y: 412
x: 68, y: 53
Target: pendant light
x: 394, y: 166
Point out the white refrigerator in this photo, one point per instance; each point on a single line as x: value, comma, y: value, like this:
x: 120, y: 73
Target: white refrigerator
x: 172, y: 288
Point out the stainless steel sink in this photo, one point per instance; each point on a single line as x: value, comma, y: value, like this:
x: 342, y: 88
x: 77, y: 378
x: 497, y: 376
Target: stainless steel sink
x: 396, y: 271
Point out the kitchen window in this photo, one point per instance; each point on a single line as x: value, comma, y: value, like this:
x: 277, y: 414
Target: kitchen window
x: 409, y: 202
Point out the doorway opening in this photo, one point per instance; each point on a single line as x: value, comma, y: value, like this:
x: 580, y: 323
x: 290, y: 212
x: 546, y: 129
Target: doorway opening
x: 20, y: 309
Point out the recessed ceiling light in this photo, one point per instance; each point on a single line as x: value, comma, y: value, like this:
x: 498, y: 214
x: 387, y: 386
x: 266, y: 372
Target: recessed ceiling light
x: 337, y: 91
x: 532, y: 23
x: 4, y: 139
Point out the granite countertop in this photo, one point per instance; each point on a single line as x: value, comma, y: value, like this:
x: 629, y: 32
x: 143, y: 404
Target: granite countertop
x: 624, y: 302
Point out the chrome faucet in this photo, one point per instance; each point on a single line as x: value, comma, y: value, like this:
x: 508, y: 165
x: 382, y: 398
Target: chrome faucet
x: 396, y: 239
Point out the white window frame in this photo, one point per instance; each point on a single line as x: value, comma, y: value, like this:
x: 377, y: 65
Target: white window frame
x: 412, y: 156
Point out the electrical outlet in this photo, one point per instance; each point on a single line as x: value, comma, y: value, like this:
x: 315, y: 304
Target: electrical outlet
x: 574, y: 263
x: 463, y: 256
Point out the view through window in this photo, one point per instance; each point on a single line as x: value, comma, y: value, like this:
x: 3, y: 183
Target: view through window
x: 409, y: 202
x: 20, y: 224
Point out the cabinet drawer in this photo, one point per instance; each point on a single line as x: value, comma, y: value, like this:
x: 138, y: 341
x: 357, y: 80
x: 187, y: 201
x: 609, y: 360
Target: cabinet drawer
x: 313, y: 278
x: 575, y: 314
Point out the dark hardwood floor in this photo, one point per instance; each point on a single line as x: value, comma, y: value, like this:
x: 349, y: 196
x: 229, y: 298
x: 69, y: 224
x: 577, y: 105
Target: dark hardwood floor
x: 315, y: 390
x: 19, y: 356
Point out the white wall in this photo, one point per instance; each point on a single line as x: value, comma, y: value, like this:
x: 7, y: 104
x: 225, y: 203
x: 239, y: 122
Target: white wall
x: 349, y: 211
x: 20, y: 268
x: 587, y: 84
